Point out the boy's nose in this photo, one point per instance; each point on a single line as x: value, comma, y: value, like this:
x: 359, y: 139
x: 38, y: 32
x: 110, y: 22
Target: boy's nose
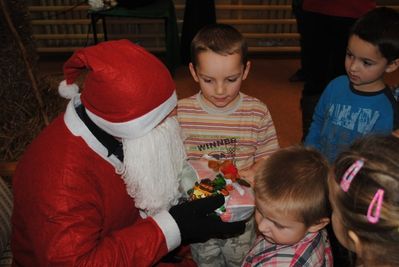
x: 220, y: 89
x: 353, y: 65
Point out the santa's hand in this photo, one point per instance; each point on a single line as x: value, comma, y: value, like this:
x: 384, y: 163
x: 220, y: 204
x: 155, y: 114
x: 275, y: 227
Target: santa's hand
x: 197, y: 221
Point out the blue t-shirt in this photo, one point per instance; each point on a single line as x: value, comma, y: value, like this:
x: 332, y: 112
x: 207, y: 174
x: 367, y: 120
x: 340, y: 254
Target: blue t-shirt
x: 344, y: 114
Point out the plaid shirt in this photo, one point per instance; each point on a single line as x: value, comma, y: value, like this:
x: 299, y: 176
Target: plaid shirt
x: 312, y: 251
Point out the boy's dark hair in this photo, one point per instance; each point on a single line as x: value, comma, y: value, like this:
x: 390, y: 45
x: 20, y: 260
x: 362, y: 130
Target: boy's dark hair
x: 294, y: 181
x: 219, y: 38
x: 380, y: 27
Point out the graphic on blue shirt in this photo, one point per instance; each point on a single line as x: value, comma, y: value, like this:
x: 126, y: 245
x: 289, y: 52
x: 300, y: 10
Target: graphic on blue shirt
x: 357, y: 119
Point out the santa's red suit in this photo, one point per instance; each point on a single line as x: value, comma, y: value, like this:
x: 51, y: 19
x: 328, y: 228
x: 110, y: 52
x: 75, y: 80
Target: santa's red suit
x: 71, y: 207
x: 84, y: 214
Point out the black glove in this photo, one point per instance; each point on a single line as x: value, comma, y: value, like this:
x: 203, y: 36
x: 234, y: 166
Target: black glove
x: 198, y: 222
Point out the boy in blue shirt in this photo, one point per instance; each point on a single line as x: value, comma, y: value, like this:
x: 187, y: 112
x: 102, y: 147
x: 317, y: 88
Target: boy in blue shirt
x: 360, y: 103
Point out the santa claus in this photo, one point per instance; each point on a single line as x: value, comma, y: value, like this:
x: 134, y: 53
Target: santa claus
x: 96, y: 187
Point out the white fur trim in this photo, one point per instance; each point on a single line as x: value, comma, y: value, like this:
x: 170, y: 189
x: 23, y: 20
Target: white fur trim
x: 78, y: 128
x: 139, y: 126
x: 169, y: 229
x: 68, y: 91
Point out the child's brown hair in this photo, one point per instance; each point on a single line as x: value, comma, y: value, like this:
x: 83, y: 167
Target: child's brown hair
x: 222, y: 39
x: 295, y: 180
x: 380, y: 171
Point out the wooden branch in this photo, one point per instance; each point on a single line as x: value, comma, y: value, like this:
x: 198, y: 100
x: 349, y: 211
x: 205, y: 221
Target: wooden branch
x: 32, y: 79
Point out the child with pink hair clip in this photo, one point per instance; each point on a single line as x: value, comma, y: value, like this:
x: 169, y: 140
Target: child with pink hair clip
x: 364, y: 195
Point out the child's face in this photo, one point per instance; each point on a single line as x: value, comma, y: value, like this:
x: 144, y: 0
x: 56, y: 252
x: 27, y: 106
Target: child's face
x: 277, y: 227
x: 219, y: 77
x: 336, y: 220
x: 365, y: 65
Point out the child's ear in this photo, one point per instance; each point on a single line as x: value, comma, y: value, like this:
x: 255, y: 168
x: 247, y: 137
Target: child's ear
x: 246, y: 70
x: 356, y: 242
x: 392, y: 66
x: 319, y: 225
x: 193, y: 72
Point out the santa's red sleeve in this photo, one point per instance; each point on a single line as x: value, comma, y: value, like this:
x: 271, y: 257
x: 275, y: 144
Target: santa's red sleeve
x: 72, y: 209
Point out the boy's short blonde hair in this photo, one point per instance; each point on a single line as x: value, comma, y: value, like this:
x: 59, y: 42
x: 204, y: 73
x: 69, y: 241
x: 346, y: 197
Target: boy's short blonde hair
x: 295, y: 181
x: 222, y: 39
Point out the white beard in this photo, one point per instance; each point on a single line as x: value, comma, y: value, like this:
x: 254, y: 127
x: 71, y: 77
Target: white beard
x: 152, y: 164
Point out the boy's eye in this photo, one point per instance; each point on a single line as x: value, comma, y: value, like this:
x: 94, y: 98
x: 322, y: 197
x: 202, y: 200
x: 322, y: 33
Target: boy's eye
x: 367, y: 63
x: 279, y: 226
x: 232, y: 80
x: 349, y: 54
x: 206, y: 80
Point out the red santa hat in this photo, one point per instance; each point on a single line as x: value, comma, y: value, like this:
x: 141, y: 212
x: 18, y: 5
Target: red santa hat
x: 127, y: 91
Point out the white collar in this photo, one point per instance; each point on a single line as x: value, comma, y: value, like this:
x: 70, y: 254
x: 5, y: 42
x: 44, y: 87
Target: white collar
x: 78, y: 128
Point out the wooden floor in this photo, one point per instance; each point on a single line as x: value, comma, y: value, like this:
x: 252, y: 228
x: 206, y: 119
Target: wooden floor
x: 267, y: 80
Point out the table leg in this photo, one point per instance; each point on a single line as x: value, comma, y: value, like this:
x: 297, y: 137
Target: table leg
x: 94, y: 27
x: 105, y: 29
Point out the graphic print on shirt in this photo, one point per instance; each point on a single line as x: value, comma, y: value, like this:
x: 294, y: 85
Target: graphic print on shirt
x: 223, y: 148
x: 361, y: 120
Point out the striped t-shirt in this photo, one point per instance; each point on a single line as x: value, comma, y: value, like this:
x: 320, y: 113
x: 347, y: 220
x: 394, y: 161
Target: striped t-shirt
x: 244, y: 133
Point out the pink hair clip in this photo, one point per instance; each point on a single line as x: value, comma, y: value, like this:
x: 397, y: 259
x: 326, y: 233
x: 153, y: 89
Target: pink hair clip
x: 350, y: 174
x: 378, y: 197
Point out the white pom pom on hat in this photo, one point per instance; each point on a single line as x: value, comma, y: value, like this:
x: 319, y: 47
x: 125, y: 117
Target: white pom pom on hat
x: 127, y: 90
x: 68, y: 90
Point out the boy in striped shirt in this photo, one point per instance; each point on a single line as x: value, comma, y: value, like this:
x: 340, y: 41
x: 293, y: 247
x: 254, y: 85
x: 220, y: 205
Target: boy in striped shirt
x: 222, y: 122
